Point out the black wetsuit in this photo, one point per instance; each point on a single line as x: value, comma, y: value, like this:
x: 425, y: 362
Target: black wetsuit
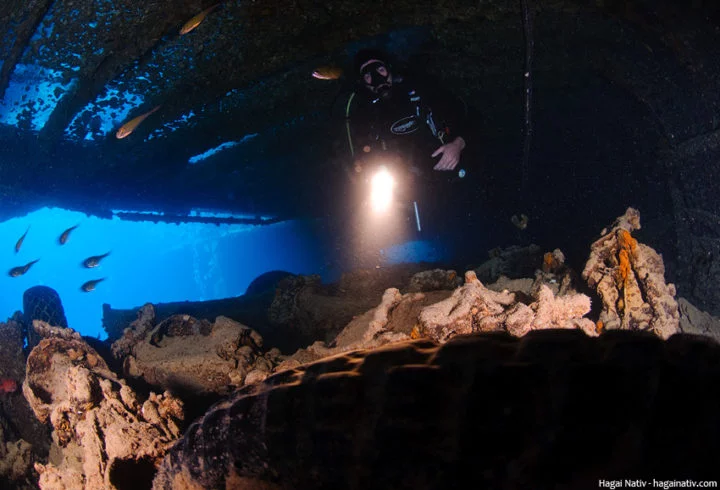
x: 400, y: 127
x: 399, y: 123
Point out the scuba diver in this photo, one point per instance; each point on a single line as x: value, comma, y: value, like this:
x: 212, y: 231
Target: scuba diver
x: 405, y: 133
x: 392, y: 110
x: 404, y: 123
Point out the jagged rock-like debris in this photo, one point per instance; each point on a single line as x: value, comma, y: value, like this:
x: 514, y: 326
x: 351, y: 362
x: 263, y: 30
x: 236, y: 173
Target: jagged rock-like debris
x: 23, y: 439
x: 629, y: 277
x: 441, y: 315
x: 102, y: 430
x: 475, y: 308
x: 191, y: 356
x: 15, y: 460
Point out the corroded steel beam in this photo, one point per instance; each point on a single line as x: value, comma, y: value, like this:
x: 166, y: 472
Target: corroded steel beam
x: 177, y: 219
x: 130, y: 40
x: 31, y: 13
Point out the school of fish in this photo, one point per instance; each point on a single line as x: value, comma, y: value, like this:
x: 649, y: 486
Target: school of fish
x: 89, y: 263
x: 328, y: 72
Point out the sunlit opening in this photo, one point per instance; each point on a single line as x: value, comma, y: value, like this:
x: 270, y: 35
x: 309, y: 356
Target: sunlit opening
x: 148, y: 262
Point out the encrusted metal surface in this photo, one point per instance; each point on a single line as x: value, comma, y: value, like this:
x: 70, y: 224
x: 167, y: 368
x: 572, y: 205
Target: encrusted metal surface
x: 485, y: 411
x: 246, y: 71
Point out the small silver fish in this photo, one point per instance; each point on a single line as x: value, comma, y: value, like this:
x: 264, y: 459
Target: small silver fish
x: 20, y: 241
x: 90, y: 285
x: 66, y: 234
x: 21, y: 269
x: 94, y: 261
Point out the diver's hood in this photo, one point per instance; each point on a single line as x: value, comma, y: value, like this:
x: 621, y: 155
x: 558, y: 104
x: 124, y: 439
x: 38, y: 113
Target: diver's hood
x: 379, y: 84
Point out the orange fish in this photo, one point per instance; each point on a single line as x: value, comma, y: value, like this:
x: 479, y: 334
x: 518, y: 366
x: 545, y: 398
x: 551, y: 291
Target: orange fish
x: 130, y: 126
x: 195, y: 21
x: 20, y: 241
x: 327, y: 73
x: 66, y: 234
x: 8, y: 385
x: 21, y: 269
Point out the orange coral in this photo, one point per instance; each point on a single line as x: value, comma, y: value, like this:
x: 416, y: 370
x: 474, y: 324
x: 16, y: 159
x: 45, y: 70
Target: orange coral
x: 624, y: 269
x: 599, y: 326
x: 628, y: 245
x: 548, y: 262
x: 626, y: 241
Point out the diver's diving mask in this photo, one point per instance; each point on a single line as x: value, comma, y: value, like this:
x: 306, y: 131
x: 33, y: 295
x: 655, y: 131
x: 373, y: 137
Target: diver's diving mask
x: 376, y: 76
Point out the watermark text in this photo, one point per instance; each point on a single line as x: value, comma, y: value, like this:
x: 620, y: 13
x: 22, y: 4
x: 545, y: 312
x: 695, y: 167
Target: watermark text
x: 652, y: 483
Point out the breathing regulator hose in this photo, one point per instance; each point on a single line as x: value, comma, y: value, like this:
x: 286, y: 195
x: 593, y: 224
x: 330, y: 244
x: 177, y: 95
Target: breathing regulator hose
x: 347, y: 124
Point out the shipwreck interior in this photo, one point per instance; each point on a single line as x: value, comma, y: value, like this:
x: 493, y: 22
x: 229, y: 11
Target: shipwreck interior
x: 623, y: 111
x: 203, y: 143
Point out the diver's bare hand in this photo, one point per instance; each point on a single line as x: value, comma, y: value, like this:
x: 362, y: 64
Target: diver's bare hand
x: 450, y: 154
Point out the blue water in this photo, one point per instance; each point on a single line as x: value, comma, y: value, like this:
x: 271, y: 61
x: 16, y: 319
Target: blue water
x: 148, y: 262
x: 159, y: 262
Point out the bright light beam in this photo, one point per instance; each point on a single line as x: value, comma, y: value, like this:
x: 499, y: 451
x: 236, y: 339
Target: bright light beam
x: 381, y: 190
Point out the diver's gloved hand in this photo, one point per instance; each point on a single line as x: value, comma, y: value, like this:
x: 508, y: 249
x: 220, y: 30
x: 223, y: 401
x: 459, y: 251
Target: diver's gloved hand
x: 450, y: 154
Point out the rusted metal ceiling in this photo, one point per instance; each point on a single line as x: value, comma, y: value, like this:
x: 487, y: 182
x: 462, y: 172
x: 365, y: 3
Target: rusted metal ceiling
x: 245, y: 70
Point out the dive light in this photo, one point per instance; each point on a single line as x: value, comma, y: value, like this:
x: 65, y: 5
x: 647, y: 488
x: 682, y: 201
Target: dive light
x: 382, y: 188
